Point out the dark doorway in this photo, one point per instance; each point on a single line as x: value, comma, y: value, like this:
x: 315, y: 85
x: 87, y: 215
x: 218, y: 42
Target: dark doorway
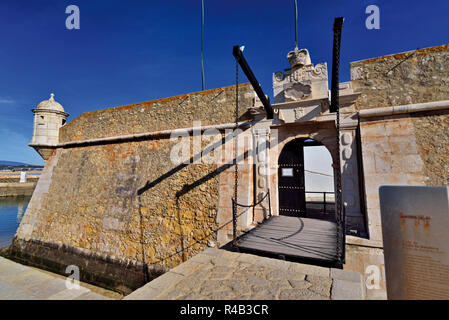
x: 292, y: 192
x: 302, y: 192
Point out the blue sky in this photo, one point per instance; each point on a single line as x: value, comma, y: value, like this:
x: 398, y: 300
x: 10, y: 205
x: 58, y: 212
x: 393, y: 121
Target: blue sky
x: 128, y: 51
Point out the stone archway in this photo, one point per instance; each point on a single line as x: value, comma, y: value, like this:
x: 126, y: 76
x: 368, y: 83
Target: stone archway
x: 323, y: 133
x: 302, y: 192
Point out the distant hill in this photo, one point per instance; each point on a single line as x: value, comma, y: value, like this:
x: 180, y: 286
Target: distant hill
x: 12, y: 163
x: 5, y: 164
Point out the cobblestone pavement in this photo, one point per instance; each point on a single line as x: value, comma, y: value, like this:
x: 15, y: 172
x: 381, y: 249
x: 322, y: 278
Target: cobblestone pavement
x: 218, y: 274
x: 19, y: 282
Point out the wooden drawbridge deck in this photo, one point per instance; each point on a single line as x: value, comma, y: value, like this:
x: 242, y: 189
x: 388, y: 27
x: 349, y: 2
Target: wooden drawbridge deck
x: 294, y: 238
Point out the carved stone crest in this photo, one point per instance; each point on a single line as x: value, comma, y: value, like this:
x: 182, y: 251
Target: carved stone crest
x: 299, y: 58
x: 297, y: 91
x: 303, y: 81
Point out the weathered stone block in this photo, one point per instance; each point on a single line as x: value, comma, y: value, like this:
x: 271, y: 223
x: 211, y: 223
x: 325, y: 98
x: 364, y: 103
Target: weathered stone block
x: 410, y: 163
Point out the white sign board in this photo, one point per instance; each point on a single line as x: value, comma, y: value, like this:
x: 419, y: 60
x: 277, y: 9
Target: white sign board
x: 415, y: 228
x: 23, y: 177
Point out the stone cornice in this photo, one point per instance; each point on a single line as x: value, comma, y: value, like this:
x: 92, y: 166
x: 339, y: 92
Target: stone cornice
x: 409, y: 108
x: 50, y: 111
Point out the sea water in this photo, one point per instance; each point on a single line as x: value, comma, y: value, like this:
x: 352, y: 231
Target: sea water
x: 12, y: 210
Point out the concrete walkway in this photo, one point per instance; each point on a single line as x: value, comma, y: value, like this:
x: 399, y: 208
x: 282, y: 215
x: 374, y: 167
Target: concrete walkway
x: 219, y: 274
x: 19, y: 282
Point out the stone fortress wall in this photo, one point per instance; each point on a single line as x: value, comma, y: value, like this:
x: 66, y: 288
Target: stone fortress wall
x: 114, y: 208
x: 421, y: 78
x: 124, y: 213
x: 410, y: 148
x: 407, y: 148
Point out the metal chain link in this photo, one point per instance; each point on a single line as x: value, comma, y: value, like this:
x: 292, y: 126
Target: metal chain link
x: 339, y: 188
x: 236, y: 172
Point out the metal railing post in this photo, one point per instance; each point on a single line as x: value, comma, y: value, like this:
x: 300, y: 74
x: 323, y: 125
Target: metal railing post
x: 324, y: 202
x: 269, y: 202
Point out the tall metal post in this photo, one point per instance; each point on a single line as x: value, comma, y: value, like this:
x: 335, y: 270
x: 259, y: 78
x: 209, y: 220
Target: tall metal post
x: 335, y: 107
x: 236, y: 169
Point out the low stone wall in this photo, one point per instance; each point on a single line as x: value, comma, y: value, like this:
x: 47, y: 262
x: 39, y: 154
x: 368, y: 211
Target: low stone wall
x: 17, y: 189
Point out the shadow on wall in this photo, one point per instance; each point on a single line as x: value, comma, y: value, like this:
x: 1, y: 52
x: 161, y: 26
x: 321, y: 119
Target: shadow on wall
x: 185, y: 189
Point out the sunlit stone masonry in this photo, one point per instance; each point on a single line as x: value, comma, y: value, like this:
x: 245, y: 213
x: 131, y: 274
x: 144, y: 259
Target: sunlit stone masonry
x: 112, y: 202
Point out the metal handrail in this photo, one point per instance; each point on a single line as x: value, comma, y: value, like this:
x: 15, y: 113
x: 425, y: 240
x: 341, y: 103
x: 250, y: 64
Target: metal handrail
x: 319, y: 192
x: 324, y: 197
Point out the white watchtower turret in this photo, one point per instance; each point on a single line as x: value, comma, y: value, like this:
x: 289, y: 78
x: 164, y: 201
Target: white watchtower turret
x: 49, y: 116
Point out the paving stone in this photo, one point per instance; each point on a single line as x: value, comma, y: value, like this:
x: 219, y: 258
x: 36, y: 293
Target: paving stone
x: 221, y: 295
x: 242, y: 276
x: 211, y: 286
x: 220, y: 275
x: 309, y: 269
x: 237, y: 286
x: 165, y: 281
x: 248, y: 258
x: 202, y: 258
x: 293, y: 294
x: 30, y: 279
x: 187, y: 268
x: 243, y: 297
x: 230, y: 255
x: 345, y: 275
x: 347, y: 290
x: 172, y: 295
x: 320, y: 285
x: 193, y: 296
x: 254, y: 271
x: 143, y: 293
x: 275, y: 275
x: 92, y: 296
x: 212, y: 252
x: 189, y: 283
x: 12, y: 271
x: 277, y: 285
x: 69, y: 294
x: 279, y: 274
x: 262, y: 293
x: 299, y: 284
x: 222, y: 261
x: 256, y: 281
x: 273, y: 263
x: 221, y: 269
x: 323, y: 288
x: 241, y: 266
x: 6, y: 264
x: 21, y: 295
x: 47, y: 289
x: 314, y: 279
x: 26, y: 283
x: 7, y: 289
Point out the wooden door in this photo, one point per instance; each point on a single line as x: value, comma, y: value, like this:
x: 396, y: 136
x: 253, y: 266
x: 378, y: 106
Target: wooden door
x: 292, y: 193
